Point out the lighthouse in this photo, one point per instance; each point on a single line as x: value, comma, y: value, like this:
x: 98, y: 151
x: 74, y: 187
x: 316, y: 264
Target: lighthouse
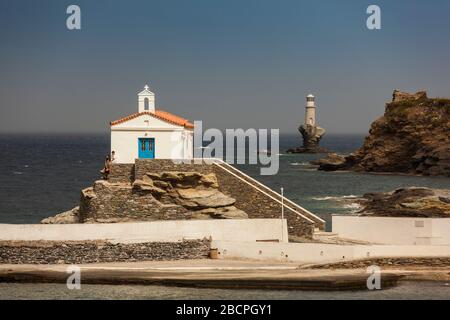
x: 310, y: 115
x: 311, y: 132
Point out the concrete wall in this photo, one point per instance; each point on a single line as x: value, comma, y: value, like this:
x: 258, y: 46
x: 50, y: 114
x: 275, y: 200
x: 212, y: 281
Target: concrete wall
x: 157, y: 231
x: 401, y: 231
x: 441, y: 228
x: 320, y: 253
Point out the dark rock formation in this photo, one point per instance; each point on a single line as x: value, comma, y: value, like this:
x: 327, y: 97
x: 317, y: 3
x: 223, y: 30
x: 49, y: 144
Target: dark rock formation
x: 332, y: 162
x: 412, y: 137
x: 311, y: 139
x: 311, y: 136
x: 407, y: 202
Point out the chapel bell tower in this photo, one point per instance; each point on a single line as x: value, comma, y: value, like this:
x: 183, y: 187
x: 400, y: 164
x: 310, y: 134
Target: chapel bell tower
x: 146, y: 100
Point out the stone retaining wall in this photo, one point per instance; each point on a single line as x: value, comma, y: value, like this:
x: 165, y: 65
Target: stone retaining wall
x: 121, y: 173
x: 259, y: 206
x: 161, y: 165
x: 108, y: 203
x: 388, y: 262
x: 50, y: 252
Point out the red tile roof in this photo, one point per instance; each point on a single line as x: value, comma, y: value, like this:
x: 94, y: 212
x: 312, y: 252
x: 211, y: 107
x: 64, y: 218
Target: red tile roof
x: 159, y: 114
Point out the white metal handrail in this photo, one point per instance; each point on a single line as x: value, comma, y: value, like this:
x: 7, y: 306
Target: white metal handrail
x: 265, y: 193
x: 313, y: 216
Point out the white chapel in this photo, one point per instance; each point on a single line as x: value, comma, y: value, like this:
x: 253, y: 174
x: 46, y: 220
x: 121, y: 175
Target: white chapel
x: 151, y: 133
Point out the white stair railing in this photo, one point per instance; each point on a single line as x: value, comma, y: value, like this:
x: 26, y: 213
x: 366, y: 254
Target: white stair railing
x: 227, y: 167
x: 265, y: 193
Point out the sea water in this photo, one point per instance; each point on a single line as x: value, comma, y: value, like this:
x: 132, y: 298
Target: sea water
x: 42, y: 175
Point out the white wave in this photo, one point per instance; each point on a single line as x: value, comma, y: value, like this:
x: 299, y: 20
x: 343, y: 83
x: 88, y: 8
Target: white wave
x: 323, y: 198
x: 354, y: 207
x: 352, y: 196
x: 300, y: 164
x: 17, y: 172
x: 335, y: 198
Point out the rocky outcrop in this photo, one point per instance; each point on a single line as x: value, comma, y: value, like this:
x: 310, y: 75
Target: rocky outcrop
x: 67, y: 217
x: 407, y: 202
x: 332, y: 162
x: 311, y: 139
x: 158, y: 196
x: 412, y: 137
x: 399, y: 96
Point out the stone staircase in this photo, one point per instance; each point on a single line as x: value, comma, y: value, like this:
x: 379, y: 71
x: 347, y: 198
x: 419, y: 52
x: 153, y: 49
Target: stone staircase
x: 288, y: 204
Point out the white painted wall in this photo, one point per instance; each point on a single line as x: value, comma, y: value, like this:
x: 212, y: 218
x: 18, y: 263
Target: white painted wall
x: 310, y: 116
x: 401, y: 231
x: 307, y: 253
x: 441, y: 230
x: 310, y: 113
x: 171, y: 141
x: 155, y: 231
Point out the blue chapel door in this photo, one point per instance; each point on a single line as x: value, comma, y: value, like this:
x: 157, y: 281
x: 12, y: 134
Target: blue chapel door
x: 146, y: 148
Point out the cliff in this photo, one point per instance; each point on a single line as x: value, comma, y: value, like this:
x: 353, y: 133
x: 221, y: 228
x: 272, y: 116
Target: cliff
x: 412, y: 137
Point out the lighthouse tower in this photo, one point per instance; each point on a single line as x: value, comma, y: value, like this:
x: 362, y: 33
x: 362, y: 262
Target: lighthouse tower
x: 310, y: 130
x: 310, y: 115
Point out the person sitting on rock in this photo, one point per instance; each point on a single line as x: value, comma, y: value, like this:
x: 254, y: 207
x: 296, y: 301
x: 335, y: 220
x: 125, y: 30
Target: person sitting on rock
x: 107, y: 168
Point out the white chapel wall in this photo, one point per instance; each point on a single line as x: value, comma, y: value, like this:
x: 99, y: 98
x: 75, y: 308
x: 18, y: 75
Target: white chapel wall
x: 125, y: 144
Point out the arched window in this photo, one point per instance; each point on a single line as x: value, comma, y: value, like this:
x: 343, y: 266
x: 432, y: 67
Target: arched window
x: 146, y: 104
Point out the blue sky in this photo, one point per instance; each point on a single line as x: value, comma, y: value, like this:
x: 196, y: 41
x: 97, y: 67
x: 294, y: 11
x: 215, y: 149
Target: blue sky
x: 232, y: 64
